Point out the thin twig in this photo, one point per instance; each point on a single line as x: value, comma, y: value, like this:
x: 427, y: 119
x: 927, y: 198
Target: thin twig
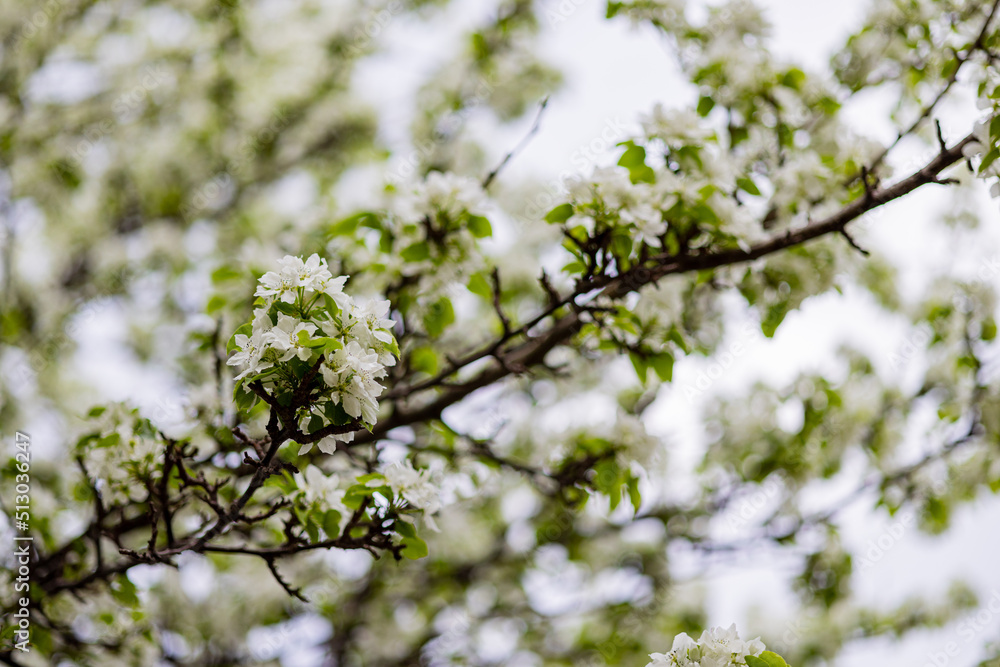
x: 520, y: 146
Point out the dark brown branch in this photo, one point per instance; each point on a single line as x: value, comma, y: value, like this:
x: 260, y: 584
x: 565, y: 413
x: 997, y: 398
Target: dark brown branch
x: 520, y: 146
x: 533, y: 350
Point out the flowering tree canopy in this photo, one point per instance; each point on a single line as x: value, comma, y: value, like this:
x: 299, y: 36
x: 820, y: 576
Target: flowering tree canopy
x: 291, y: 381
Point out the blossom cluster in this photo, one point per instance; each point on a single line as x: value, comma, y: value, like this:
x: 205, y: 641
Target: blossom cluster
x: 123, y: 455
x: 984, y: 147
x: 608, y: 199
x: 426, y: 235
x: 413, y: 486
x: 691, y: 187
x: 444, y: 195
x: 304, y: 318
x: 436, y: 224
x: 717, y: 647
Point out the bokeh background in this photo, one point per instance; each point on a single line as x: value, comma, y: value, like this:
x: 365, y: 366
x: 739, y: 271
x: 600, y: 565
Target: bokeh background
x: 611, y: 72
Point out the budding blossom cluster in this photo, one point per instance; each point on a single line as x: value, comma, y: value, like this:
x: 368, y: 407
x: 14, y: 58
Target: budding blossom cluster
x: 122, y: 456
x: 717, y: 647
x: 608, y: 198
x: 427, y: 232
x: 981, y: 146
x: 303, y: 314
x: 687, y: 182
x: 436, y: 223
x: 322, y: 492
x: 414, y: 486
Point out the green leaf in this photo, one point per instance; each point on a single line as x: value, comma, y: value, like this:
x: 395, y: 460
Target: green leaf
x: 244, y: 398
x: 322, y: 341
x: 315, y: 424
x: 634, y: 159
x: 480, y: 226
x: 438, y: 317
x: 633, y: 156
x: 312, y: 527
x: 123, y: 590
x: 794, y: 78
x: 245, y: 330
x: 424, y: 360
x: 349, y: 225
x: 640, y: 365
x: 413, y: 548
x: 995, y: 128
x: 608, y: 480
x: 705, y: 105
x: 989, y: 159
x: 416, y: 252
x: 988, y: 329
x: 224, y: 273
x: 738, y: 134
x: 766, y: 659
x: 559, y: 214
x: 663, y: 365
x: 621, y: 246
x: 480, y: 286
x: 775, y: 316
x: 746, y: 184
x: 283, y: 482
x: 331, y: 523
x: 405, y: 529
x: 215, y: 304
x: 289, y: 309
x: 633, y: 492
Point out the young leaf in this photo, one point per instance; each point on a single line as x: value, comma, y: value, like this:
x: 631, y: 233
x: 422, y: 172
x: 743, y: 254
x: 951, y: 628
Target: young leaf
x: 413, y: 547
x: 480, y: 226
x: 559, y: 214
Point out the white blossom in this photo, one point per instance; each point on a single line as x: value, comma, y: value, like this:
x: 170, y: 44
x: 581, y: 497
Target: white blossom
x: 373, y: 329
x: 675, y: 127
x: 717, y: 647
x: 444, y: 194
x: 360, y: 348
x: 322, y: 490
x: 413, y: 485
x: 648, y: 221
x: 352, y: 373
x: 252, y: 347
x: 284, y: 337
